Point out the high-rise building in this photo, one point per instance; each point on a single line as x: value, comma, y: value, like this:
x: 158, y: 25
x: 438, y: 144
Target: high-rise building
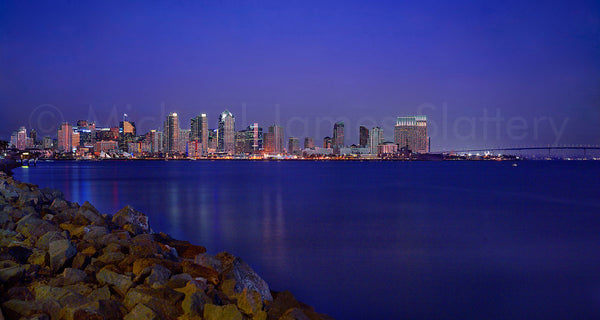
x: 22, y: 139
x: 68, y: 139
x: 199, y: 131
x: 47, y: 143
x: 327, y: 142
x: 171, y: 133
x: 294, y: 145
x: 309, y: 143
x: 338, y: 135
x: 375, y: 139
x: 269, y: 142
x: 155, y: 139
x: 213, y: 140
x: 184, y: 139
x: 127, y: 133
x: 257, y: 137
x: 33, y: 137
x: 274, y: 139
x: 226, y: 132
x: 411, y: 132
x: 363, y: 137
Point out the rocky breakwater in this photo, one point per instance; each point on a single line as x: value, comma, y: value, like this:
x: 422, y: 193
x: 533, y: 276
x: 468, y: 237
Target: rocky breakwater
x: 62, y: 260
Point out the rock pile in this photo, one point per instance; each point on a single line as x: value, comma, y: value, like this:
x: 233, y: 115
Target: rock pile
x: 62, y: 260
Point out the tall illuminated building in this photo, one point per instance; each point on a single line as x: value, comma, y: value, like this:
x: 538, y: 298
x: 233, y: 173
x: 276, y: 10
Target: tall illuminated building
x: 275, y: 139
x: 199, y: 131
x: 22, y: 139
x: 411, y: 132
x: 363, y: 137
x: 171, y: 133
x: 293, y: 145
x: 226, y: 132
x: 68, y: 139
x: 309, y: 143
x: 338, y: 135
x: 375, y: 139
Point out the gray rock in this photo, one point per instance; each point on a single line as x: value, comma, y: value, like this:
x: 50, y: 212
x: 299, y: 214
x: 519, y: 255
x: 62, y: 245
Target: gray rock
x: 102, y: 293
x: 60, y: 251
x: 246, y: 278
x: 158, y: 274
x: 73, y: 276
x: 128, y: 215
x: 32, y: 226
x: 42, y: 292
x: 48, y: 195
x: 121, y: 283
x: 91, y: 214
x: 111, y: 257
x: 11, y: 274
x: 44, y: 241
x: 141, y: 312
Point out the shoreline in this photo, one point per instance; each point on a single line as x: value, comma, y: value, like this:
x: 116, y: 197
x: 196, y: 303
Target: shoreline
x: 62, y: 260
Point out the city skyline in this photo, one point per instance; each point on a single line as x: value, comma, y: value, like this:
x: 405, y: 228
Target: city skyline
x: 499, y: 73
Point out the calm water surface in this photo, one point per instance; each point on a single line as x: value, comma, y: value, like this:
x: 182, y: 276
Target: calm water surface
x: 377, y: 240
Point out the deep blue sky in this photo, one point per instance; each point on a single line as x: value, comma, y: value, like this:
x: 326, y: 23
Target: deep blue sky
x: 304, y: 63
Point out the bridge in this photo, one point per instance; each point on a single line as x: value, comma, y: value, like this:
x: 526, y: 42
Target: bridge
x: 549, y: 148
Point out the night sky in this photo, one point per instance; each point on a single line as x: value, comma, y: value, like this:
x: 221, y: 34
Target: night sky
x: 306, y: 64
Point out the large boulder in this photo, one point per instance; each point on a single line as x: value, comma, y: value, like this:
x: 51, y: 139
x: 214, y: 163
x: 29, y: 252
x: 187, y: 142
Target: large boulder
x: 91, y: 214
x: 195, y: 299
x: 73, y: 276
x: 32, y: 226
x: 140, y: 311
x: 119, y: 282
x: 11, y: 274
x: 246, y: 278
x: 60, y: 251
x: 227, y: 312
x: 129, y: 216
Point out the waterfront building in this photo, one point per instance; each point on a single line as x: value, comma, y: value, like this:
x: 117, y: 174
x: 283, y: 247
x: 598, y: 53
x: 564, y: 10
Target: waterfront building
x: 33, y: 137
x: 13, y: 139
x: 199, y: 131
x: 213, y: 142
x: 87, y: 132
x: 249, y: 140
x: 387, y: 148
x: 257, y: 137
x: 127, y: 132
x: 411, y: 133
x: 106, y: 146
x: 155, y: 138
x: 327, y: 142
x: 274, y: 140
x: 226, y: 132
x: 294, y: 146
x: 171, y: 133
x: 68, y: 139
x: 309, y: 143
x: 269, y: 141
x: 47, y: 143
x: 107, y: 134
x: 375, y: 138
x: 23, y: 141
x: 363, y: 137
x: 184, y: 138
x: 338, y: 135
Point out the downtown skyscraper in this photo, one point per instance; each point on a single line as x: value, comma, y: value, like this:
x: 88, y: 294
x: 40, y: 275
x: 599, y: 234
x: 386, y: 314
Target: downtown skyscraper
x: 411, y: 132
x: 226, y: 132
x: 199, y: 131
x: 338, y: 135
x: 171, y: 133
x: 363, y: 137
x: 375, y: 138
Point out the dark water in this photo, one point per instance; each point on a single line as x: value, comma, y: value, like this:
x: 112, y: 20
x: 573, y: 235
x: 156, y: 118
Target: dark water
x: 378, y: 240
